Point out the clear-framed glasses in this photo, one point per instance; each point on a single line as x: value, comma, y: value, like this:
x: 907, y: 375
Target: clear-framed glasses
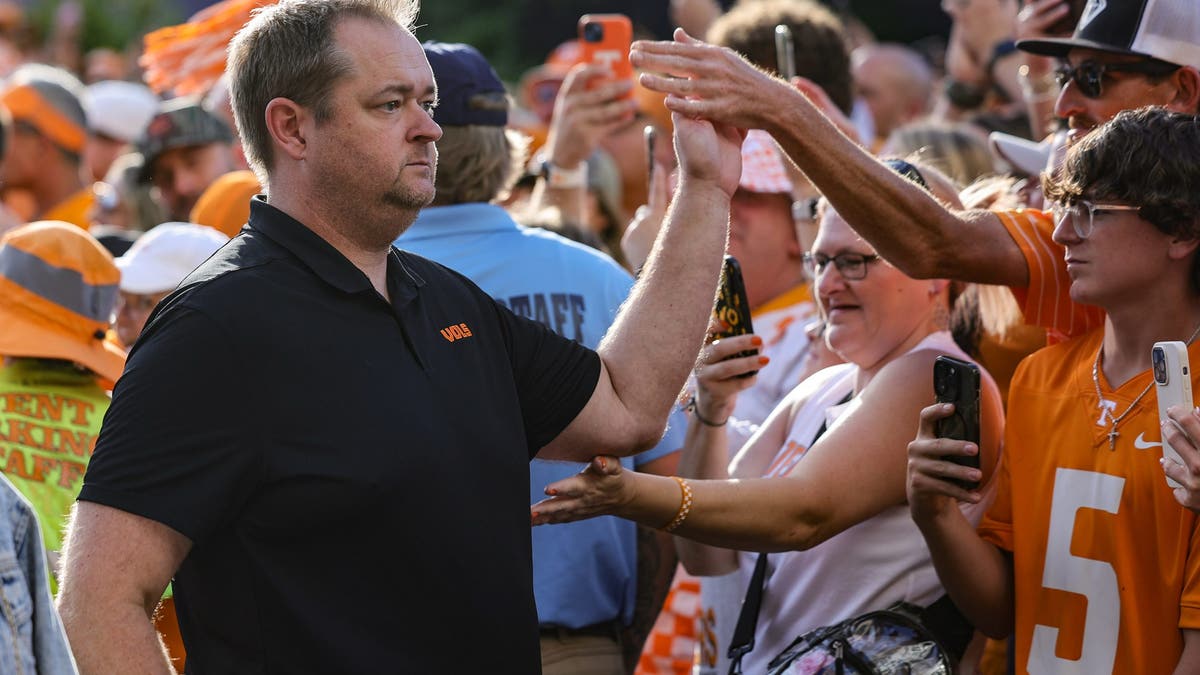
x: 852, y: 266
x: 1083, y: 214
x: 1089, y: 75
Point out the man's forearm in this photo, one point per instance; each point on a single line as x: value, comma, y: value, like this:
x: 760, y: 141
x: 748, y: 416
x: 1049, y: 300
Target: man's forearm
x: 904, y: 223
x: 652, y: 346
x: 120, y: 639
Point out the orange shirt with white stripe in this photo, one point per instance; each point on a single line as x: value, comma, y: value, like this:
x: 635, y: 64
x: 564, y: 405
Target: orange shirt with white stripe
x: 1046, y: 301
x: 1106, y: 565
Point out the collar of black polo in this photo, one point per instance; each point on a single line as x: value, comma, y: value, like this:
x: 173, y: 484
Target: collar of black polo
x: 321, y: 257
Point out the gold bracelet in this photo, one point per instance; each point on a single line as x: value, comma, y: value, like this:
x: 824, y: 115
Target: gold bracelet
x: 685, y: 505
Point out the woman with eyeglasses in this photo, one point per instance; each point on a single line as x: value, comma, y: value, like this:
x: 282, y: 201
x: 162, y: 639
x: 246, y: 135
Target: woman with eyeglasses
x: 821, y: 485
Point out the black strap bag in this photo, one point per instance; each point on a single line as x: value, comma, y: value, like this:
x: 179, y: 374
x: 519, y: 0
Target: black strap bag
x: 892, y: 641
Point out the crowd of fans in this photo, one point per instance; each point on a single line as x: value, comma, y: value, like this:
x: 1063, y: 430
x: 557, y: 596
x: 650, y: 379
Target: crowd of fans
x: 1027, y: 201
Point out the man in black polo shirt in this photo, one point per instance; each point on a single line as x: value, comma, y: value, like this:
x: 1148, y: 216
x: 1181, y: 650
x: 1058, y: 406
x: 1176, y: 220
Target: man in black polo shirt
x: 324, y: 440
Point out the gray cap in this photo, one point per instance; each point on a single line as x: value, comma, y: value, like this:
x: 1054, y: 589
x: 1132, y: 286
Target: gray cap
x: 179, y: 123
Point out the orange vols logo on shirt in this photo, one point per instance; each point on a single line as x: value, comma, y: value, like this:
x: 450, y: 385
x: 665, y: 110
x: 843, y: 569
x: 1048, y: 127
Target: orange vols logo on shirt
x: 457, y: 332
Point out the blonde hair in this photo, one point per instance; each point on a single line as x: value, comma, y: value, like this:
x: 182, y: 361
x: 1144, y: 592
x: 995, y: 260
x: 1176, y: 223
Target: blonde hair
x: 956, y: 149
x: 287, y: 51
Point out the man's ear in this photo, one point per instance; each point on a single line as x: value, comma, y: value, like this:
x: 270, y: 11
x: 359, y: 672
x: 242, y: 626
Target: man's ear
x: 1181, y: 247
x: 1187, y: 90
x: 286, y: 126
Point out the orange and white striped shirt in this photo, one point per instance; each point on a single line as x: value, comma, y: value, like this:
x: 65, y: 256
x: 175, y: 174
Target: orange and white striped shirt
x: 1046, y: 302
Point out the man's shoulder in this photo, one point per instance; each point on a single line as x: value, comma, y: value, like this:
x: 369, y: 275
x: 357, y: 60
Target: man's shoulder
x: 230, y: 284
x: 248, y: 251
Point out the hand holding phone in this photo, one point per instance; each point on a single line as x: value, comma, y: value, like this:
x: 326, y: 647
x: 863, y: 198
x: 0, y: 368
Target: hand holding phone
x: 1173, y: 384
x: 732, y: 310
x: 605, y: 40
x: 957, y: 382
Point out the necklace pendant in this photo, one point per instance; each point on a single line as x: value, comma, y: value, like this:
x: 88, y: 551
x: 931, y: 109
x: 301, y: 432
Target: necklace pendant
x: 1112, y: 439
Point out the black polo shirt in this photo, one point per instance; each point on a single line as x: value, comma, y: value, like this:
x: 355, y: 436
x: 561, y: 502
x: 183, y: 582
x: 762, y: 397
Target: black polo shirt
x: 353, y: 474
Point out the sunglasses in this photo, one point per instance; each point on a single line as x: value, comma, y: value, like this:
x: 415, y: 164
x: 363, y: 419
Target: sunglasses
x: 1089, y: 75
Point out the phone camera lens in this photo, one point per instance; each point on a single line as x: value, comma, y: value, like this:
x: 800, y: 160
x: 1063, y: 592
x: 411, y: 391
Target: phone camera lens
x: 1160, y: 365
x: 593, y: 32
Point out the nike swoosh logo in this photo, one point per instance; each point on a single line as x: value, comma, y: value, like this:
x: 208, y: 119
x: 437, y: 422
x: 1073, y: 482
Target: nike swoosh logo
x: 1142, y: 444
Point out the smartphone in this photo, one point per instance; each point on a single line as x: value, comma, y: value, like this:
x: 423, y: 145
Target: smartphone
x: 957, y: 382
x: 605, y: 40
x: 732, y: 309
x: 785, y: 52
x: 1173, y: 384
x: 650, y: 135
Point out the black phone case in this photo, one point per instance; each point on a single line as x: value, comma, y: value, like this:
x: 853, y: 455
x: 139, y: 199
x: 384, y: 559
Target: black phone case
x: 732, y: 309
x: 957, y: 382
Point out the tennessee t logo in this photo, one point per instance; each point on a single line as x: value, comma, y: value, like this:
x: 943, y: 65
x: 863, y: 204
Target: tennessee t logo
x: 457, y: 332
x: 1106, y: 412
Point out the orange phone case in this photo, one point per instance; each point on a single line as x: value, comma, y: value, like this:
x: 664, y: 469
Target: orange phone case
x: 605, y: 39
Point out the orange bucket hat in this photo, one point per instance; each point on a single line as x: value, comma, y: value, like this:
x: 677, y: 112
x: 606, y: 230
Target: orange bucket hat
x: 58, y: 287
x: 225, y: 205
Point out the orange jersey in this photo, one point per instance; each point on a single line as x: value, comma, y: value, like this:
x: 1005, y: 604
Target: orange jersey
x: 1046, y: 302
x: 74, y: 209
x: 1106, y: 564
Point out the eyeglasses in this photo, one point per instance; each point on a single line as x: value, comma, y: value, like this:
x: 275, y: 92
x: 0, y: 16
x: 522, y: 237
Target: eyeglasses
x: 1089, y: 75
x: 852, y: 266
x: 1083, y: 214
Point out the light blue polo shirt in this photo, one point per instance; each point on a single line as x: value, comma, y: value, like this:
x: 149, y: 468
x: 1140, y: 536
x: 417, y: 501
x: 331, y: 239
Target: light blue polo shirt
x: 586, y: 572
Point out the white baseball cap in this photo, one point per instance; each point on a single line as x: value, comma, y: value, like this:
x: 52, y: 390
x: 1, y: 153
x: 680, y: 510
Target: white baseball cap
x: 763, y: 168
x: 1026, y: 157
x: 165, y: 255
x: 119, y: 110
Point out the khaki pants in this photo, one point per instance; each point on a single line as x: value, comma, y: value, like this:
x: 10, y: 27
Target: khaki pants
x: 564, y: 654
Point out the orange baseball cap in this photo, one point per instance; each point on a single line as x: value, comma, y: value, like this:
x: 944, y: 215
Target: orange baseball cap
x: 225, y: 205
x: 58, y: 288
x: 51, y: 109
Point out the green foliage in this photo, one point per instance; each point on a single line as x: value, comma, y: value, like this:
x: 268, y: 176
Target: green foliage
x: 110, y: 23
x: 488, y: 26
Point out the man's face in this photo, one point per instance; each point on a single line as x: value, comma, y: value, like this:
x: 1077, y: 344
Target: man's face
x: 1119, y: 91
x: 762, y: 236
x: 132, y: 311
x: 375, y: 156
x: 875, y: 83
x: 99, y: 154
x: 183, y: 174
x: 1115, y: 264
x: 21, y: 157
